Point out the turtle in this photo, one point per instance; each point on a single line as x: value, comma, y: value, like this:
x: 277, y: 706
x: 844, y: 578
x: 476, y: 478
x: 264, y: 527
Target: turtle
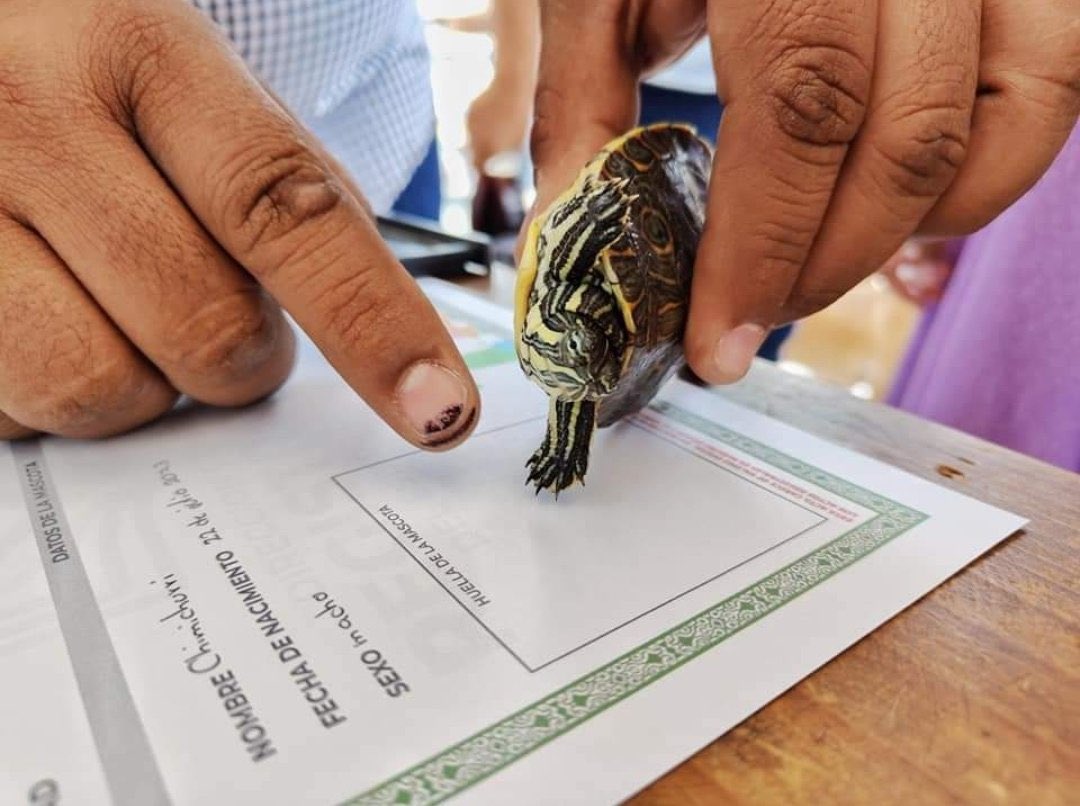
x: 603, y: 289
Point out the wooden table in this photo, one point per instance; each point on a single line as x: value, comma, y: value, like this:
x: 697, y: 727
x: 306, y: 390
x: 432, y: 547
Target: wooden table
x: 971, y: 695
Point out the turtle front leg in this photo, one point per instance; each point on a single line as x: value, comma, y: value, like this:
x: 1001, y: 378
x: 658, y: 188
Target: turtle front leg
x: 563, y: 457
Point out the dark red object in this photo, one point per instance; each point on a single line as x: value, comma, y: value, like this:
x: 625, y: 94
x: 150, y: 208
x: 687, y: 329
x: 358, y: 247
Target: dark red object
x: 497, y: 208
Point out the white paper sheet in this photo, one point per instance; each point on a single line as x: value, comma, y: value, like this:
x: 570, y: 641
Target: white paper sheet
x: 289, y: 605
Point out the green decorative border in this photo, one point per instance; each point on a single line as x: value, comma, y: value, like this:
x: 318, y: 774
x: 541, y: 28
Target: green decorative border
x: 485, y: 753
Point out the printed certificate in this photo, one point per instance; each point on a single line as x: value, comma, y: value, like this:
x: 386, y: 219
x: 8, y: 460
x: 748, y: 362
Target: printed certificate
x: 287, y: 604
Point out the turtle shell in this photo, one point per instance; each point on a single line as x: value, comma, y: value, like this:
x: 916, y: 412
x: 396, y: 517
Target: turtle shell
x: 664, y: 170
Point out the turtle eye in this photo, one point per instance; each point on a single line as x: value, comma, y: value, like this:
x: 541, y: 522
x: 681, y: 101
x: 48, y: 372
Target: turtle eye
x: 577, y: 344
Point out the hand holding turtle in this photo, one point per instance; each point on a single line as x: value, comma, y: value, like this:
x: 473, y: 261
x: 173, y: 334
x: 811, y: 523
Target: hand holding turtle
x: 156, y: 207
x: 849, y: 125
x: 603, y: 286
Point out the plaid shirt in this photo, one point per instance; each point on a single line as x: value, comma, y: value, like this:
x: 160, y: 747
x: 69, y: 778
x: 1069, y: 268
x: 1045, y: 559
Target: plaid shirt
x: 355, y: 71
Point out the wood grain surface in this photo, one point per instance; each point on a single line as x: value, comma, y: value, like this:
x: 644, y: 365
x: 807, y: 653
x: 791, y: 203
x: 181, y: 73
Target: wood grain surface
x: 971, y: 695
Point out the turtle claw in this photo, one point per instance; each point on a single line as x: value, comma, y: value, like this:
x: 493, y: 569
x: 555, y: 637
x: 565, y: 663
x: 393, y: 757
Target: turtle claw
x: 554, y: 473
x: 563, y: 457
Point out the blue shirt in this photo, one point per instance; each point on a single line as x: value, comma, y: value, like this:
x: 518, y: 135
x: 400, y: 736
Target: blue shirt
x: 355, y: 71
x: 692, y: 73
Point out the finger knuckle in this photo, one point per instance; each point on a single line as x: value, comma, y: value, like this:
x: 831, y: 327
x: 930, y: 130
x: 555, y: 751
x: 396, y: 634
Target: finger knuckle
x: 27, y: 81
x: 276, y: 197
x: 1046, y: 89
x: 1061, y: 65
x: 783, y: 244
x: 806, y: 301
x: 126, y: 50
x: 352, y: 307
x: 924, y: 150
x: 233, y: 337
x: 818, y: 94
x: 18, y: 90
x: 1070, y: 77
x: 36, y: 116
x: 98, y: 391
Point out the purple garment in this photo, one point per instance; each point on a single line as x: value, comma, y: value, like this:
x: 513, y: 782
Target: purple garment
x: 999, y: 355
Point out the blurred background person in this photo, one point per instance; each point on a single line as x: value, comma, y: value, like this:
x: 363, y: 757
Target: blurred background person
x: 422, y: 197
x: 498, y: 120
x: 995, y: 353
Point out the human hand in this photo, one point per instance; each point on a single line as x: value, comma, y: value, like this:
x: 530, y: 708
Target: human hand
x: 154, y: 203
x: 920, y: 270
x: 498, y: 121
x: 849, y: 125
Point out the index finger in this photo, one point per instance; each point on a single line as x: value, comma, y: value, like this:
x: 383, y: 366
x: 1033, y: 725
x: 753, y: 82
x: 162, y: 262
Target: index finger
x: 261, y: 187
x: 795, y: 76
x: 592, y: 56
x: 586, y: 91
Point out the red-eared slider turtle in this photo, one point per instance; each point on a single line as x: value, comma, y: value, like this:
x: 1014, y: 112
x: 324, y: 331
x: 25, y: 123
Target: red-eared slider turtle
x: 603, y: 289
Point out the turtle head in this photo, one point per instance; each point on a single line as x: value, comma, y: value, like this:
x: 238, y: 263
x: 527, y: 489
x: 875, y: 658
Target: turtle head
x: 571, y: 330
x: 572, y: 355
